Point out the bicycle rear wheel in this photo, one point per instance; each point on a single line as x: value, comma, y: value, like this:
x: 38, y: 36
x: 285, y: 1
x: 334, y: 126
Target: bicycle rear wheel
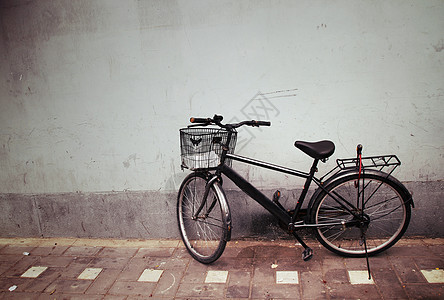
x: 379, y: 226
x: 203, y: 223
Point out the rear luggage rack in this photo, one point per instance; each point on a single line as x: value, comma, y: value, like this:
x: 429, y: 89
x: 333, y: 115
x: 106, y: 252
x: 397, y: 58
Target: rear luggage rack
x: 374, y: 162
x: 390, y: 162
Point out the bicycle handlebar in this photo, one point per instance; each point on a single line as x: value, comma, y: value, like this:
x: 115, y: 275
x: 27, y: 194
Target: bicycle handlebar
x: 217, y: 119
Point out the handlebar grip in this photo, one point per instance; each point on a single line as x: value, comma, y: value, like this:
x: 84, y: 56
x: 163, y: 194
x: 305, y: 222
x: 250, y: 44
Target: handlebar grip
x: 200, y: 120
x: 263, y: 123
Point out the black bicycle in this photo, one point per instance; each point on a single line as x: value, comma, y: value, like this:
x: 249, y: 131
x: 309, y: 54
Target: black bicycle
x: 357, y: 210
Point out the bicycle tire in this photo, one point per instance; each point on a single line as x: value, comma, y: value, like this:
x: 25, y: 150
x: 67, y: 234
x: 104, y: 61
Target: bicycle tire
x: 206, y: 235
x: 387, y: 214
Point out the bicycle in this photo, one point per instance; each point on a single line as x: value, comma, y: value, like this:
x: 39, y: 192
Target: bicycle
x: 357, y: 210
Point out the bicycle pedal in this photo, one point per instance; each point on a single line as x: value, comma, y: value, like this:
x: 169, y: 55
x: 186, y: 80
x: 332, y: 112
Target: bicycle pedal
x: 307, y: 254
x: 276, y: 196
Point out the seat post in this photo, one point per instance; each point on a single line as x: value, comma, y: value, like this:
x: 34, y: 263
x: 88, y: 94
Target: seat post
x: 313, y: 170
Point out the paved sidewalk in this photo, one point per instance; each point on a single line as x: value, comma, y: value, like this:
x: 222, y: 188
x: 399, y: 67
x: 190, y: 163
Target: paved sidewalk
x: 155, y: 269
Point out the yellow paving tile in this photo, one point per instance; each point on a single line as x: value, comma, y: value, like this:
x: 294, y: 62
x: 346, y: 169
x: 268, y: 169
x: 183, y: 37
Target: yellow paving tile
x: 287, y: 277
x: 359, y: 277
x: 433, y: 276
x: 216, y: 277
x: 150, y: 275
x: 33, y: 272
x: 90, y: 273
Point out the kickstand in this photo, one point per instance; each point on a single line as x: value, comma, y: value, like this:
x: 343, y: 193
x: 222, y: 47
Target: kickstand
x: 366, y: 257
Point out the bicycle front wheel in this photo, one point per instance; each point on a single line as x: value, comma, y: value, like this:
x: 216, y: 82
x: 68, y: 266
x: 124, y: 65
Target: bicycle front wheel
x: 347, y: 228
x: 203, y: 223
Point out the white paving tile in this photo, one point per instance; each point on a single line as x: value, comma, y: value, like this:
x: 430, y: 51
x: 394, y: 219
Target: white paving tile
x: 34, y: 272
x: 150, y: 275
x: 359, y: 277
x: 216, y: 277
x: 90, y: 273
x: 434, y: 276
x: 287, y: 277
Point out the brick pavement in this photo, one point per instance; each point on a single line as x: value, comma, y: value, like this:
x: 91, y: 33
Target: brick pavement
x: 162, y: 269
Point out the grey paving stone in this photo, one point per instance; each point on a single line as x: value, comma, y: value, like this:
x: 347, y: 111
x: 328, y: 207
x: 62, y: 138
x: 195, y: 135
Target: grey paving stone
x: 68, y: 286
x: 437, y: 250
x: 118, y: 252
x: 154, y: 252
x: 20, y: 295
x: 103, y: 282
x: 82, y: 251
x: 201, y: 290
x: 313, y: 285
x: 55, y: 261
x: 361, y: 263
x: 115, y: 297
x: 239, y: 252
x: 21, y: 283
x: 45, y: 251
x: 18, y: 250
x: 263, y: 273
x: 348, y: 291
x: 175, y: 263
x: 336, y: 276
x: 13, y: 258
x: 76, y: 267
x: 392, y: 291
x: 429, y: 262
x: 235, y: 264
x: 333, y: 263
x: 406, y: 250
x: 36, y: 285
x: 276, y: 252
x: 69, y: 296
x: 21, y: 266
x: 425, y: 291
x: 109, y: 262
x: 286, y: 264
x: 407, y: 270
x: 168, y: 284
x: 133, y: 269
x: 5, y: 265
x: 238, y: 284
x: 385, y: 275
x: 181, y: 252
x: 276, y: 291
x: 195, y: 273
x: 132, y: 288
x: 44, y: 280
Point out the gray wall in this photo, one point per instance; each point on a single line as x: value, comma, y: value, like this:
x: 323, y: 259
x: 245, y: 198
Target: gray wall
x: 92, y: 94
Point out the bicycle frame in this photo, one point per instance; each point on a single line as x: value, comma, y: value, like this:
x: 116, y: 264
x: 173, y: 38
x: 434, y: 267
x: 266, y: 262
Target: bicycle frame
x: 344, y: 166
x: 276, y: 210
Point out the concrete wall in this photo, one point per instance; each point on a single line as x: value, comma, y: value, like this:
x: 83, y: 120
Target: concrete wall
x: 92, y: 94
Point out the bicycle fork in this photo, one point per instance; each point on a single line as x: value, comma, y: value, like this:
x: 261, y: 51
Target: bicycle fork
x: 204, y: 200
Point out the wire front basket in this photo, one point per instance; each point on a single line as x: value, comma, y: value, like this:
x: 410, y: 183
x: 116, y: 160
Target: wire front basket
x: 201, y: 148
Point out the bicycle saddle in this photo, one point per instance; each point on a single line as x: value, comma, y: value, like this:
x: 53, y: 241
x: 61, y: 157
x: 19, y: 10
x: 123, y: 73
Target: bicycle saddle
x: 318, y: 150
